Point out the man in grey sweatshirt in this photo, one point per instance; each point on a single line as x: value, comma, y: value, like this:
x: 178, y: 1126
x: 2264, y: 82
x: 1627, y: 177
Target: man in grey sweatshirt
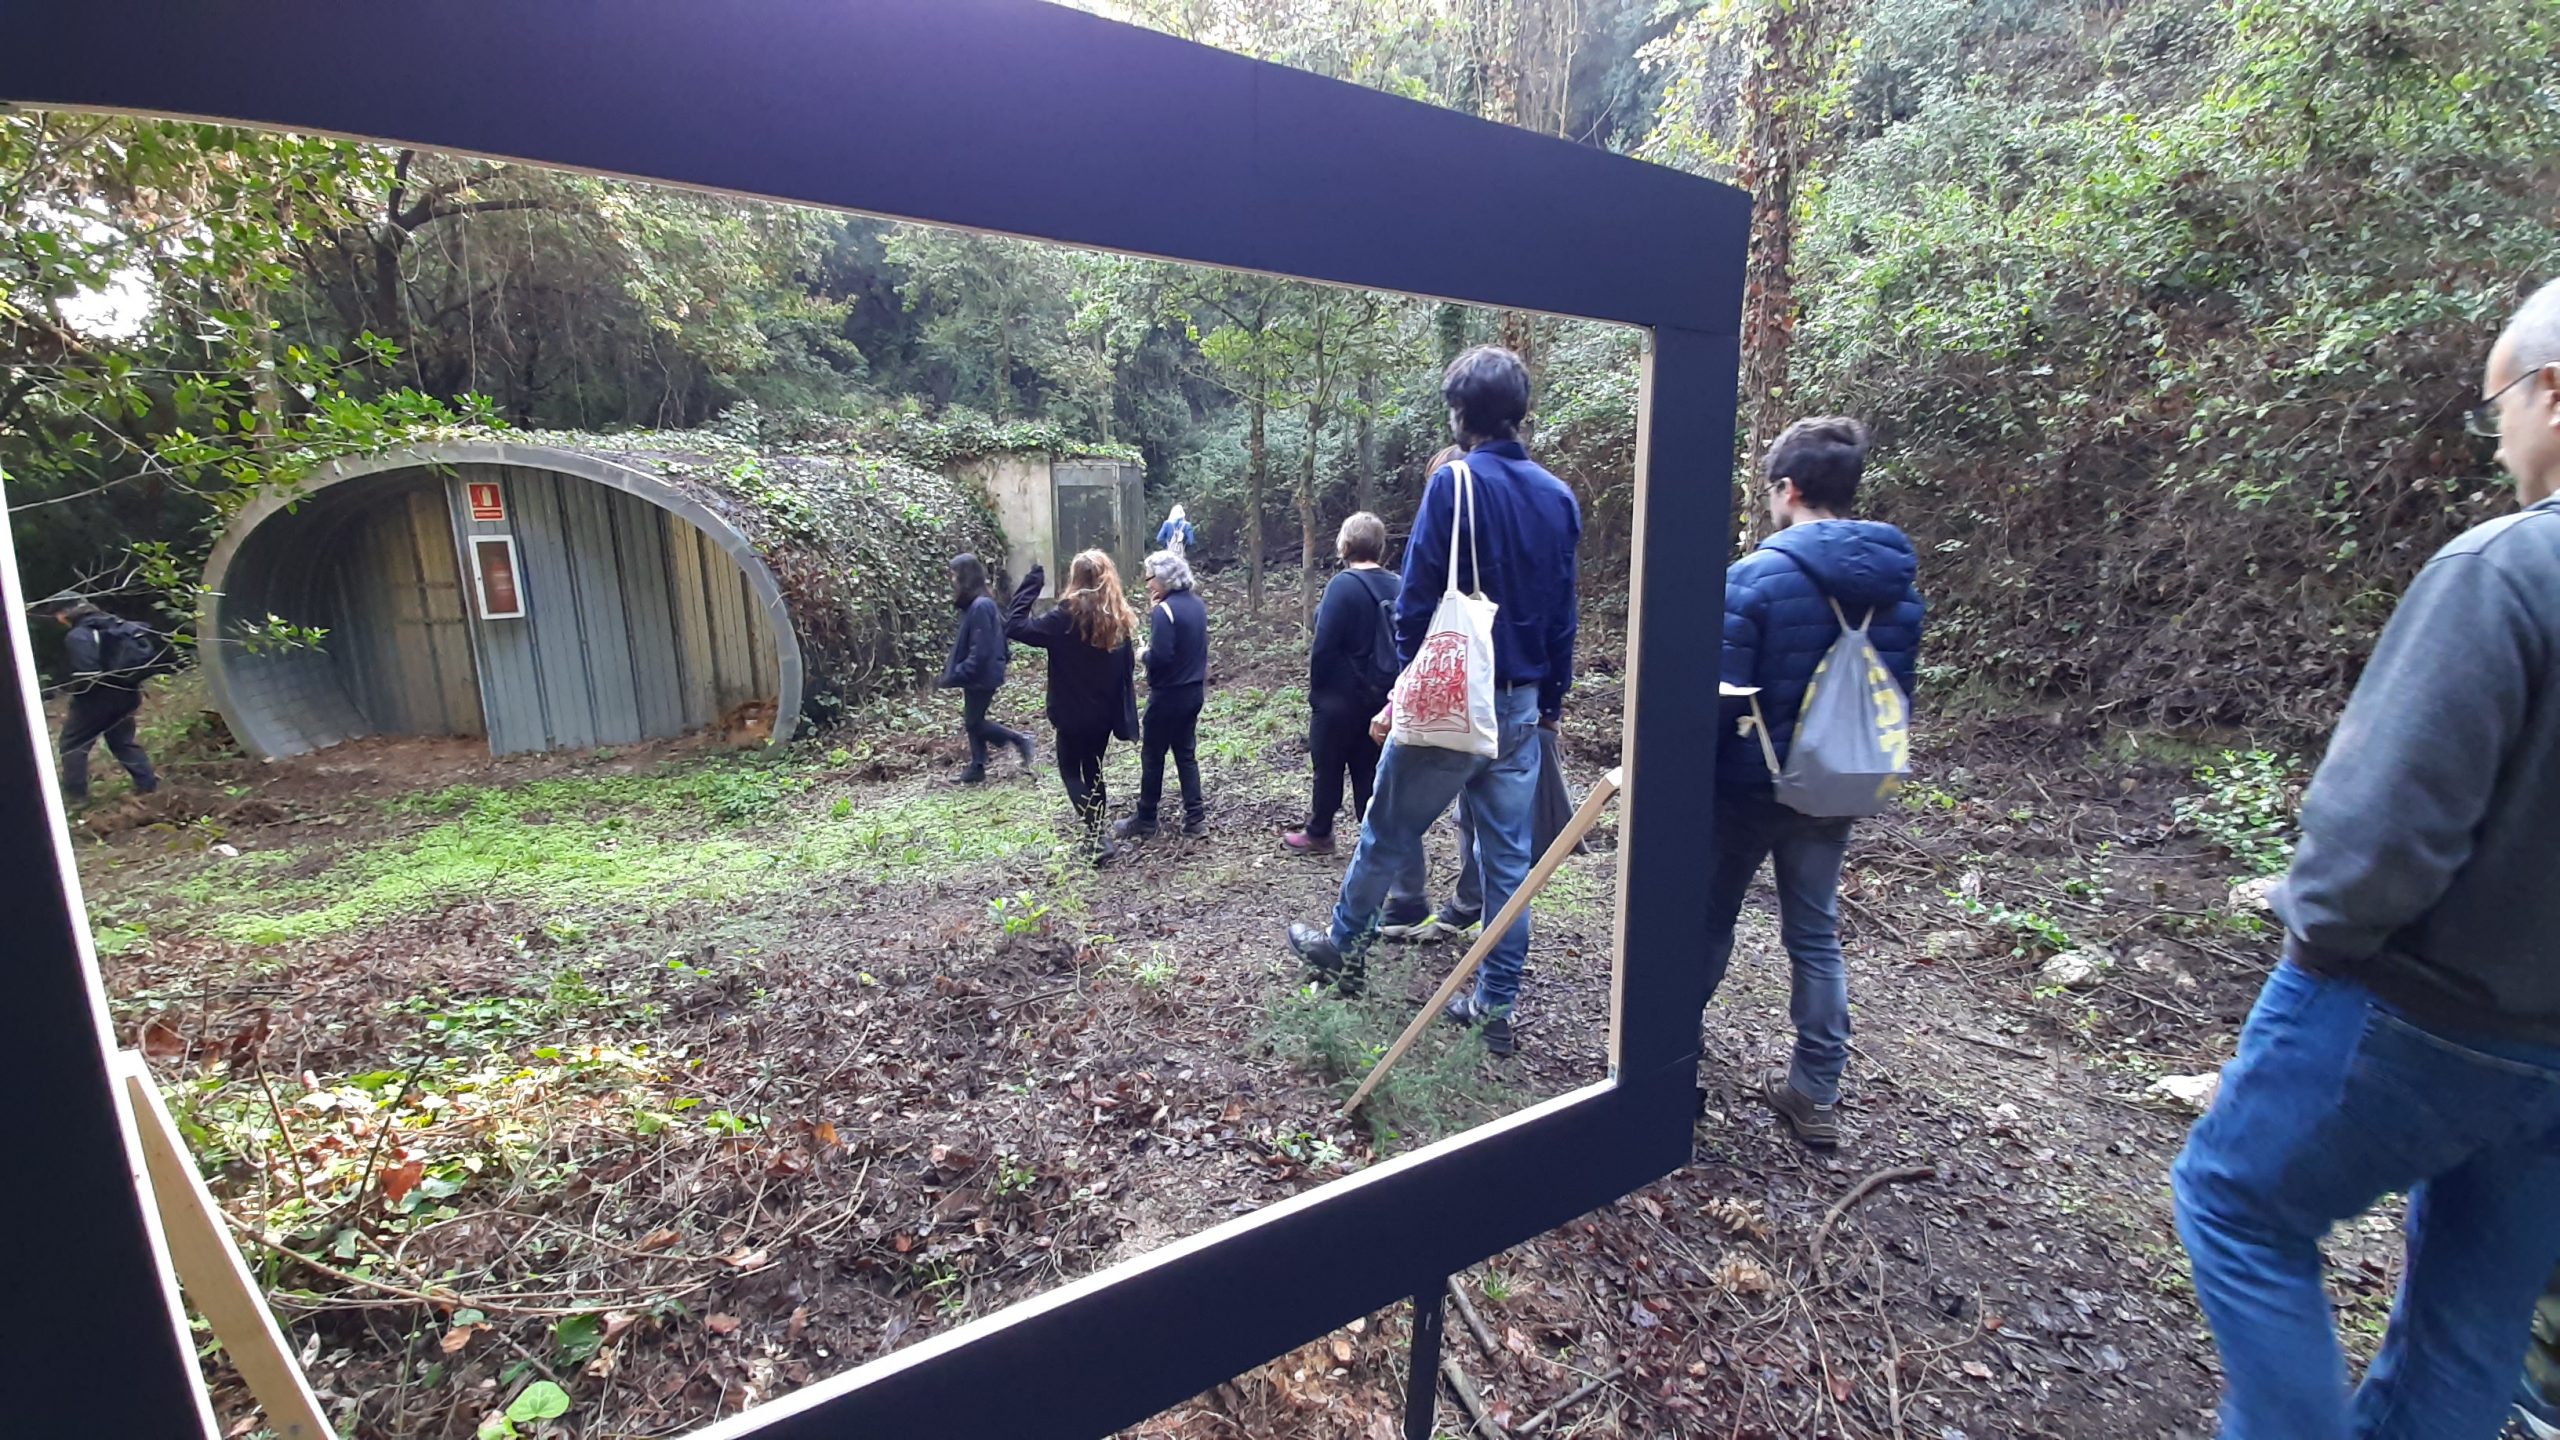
x: 2410, y: 1041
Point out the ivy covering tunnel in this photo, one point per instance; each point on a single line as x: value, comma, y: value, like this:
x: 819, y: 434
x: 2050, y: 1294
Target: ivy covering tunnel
x: 565, y: 591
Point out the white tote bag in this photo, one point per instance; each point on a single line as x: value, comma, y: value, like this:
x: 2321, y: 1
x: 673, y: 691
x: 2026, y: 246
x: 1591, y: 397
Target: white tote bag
x: 1444, y: 698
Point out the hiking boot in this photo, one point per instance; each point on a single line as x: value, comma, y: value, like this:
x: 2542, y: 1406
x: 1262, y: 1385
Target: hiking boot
x: 1104, y: 852
x: 1347, y: 975
x: 1022, y: 746
x: 1134, y: 828
x: 1195, y: 826
x: 1306, y: 844
x: 1817, y: 1126
x: 1469, y: 1012
x: 971, y: 775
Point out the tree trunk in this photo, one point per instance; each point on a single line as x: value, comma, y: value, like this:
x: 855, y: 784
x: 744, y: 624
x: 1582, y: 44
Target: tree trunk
x: 1365, y: 442
x: 1307, y: 521
x: 1258, y: 453
x: 1779, y: 98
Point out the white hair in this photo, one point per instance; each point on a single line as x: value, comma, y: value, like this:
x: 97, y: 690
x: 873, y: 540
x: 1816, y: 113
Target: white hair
x: 1169, y: 570
x: 2536, y: 329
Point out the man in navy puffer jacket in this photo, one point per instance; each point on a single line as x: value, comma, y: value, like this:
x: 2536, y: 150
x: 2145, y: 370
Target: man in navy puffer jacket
x: 1779, y: 621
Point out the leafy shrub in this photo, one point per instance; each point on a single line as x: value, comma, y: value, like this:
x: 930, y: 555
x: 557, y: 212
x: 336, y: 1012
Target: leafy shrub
x: 2248, y: 808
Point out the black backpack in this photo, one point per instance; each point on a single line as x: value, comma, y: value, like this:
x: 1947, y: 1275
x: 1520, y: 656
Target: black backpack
x: 130, y: 652
x: 1383, y: 667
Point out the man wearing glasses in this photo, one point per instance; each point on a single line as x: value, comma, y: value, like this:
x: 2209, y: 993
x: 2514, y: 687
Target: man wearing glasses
x: 2410, y: 1041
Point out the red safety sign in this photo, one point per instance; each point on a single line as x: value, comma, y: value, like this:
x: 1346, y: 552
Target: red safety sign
x: 488, y: 502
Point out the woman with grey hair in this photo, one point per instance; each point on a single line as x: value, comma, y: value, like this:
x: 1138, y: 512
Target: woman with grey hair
x: 1177, y: 657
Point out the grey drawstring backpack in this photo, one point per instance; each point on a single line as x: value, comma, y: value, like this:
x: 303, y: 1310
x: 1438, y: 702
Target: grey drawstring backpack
x: 1853, y: 736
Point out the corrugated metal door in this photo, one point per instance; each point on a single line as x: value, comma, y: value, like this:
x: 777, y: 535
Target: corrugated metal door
x: 637, y: 626
x: 400, y: 642
x: 1090, y: 516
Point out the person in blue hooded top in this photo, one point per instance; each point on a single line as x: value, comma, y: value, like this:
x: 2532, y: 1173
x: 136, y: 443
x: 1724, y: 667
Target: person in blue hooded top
x: 1783, y: 606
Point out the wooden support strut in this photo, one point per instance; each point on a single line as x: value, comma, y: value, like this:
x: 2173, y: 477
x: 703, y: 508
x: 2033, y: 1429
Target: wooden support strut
x: 1565, y: 841
x: 211, y: 1271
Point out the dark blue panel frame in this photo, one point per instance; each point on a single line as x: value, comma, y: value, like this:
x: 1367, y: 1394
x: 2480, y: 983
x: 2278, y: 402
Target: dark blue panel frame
x: 1022, y: 118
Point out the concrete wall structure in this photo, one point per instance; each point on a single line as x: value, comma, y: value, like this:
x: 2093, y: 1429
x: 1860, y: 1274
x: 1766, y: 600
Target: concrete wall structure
x: 642, y: 613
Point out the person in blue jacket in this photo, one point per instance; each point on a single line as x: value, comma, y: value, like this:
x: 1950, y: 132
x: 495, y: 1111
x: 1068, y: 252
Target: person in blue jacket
x: 1783, y: 605
x: 976, y: 668
x: 1517, y: 547
x: 1177, y: 661
x: 1175, y: 534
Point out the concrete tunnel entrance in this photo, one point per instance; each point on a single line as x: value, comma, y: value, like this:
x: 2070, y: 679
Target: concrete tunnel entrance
x: 540, y: 597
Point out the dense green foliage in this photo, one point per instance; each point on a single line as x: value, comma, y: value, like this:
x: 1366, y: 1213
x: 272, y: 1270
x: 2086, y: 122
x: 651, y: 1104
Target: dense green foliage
x: 2170, y: 322
x: 2165, y: 311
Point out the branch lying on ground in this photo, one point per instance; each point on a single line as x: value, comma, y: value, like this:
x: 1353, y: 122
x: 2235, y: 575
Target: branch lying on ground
x: 1858, y: 1192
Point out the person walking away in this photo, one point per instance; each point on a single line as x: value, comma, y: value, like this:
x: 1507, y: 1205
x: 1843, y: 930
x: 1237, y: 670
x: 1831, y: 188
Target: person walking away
x: 977, y: 665
x: 110, y: 658
x: 2409, y: 1041
x: 1093, y: 693
x: 1784, y: 605
x: 1351, y: 668
x: 1177, y: 679
x: 1175, y: 534
x: 1525, y: 528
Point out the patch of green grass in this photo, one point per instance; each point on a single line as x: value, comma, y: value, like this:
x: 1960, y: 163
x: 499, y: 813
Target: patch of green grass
x: 1239, y: 724
x: 1577, y: 891
x: 1439, y: 1088
x: 594, y: 845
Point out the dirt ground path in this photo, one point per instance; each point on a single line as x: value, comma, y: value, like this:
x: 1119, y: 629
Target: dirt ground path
x: 776, y: 1062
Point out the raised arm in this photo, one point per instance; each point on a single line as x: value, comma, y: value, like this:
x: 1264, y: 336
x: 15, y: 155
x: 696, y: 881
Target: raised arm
x: 1018, y: 624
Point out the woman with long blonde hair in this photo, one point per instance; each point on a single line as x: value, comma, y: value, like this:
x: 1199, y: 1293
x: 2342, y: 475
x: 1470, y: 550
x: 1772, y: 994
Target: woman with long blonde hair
x: 1093, y: 693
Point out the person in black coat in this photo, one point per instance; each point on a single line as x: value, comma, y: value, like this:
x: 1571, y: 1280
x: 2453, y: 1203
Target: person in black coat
x: 110, y: 658
x: 1349, y: 672
x: 1093, y: 689
x: 1177, y: 658
x: 976, y: 668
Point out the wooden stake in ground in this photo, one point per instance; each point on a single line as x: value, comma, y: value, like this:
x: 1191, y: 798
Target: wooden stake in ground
x: 212, y: 1273
x: 1566, y: 839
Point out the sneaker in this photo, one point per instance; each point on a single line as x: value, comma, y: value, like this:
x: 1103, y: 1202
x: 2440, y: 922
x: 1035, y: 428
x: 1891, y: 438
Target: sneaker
x: 1347, y: 975
x: 1472, y: 1013
x: 972, y: 775
x: 1195, y: 826
x: 2533, y: 1417
x: 2523, y: 1424
x: 1104, y: 852
x: 1817, y: 1126
x: 1306, y: 844
x: 1398, y: 919
x: 1431, y: 930
x: 1023, y: 747
x: 1134, y: 828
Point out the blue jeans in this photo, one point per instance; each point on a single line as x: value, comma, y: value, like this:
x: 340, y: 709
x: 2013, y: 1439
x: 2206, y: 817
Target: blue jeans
x: 1411, y: 889
x: 1415, y: 784
x: 1806, y: 853
x: 2332, y: 1103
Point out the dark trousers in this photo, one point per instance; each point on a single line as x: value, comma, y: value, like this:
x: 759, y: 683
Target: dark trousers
x: 1805, y: 853
x: 1338, y: 738
x: 983, y: 732
x: 1080, y: 766
x: 1172, y: 725
x: 103, y: 712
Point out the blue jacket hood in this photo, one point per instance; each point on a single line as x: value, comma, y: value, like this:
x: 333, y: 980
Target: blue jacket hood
x: 1863, y: 564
